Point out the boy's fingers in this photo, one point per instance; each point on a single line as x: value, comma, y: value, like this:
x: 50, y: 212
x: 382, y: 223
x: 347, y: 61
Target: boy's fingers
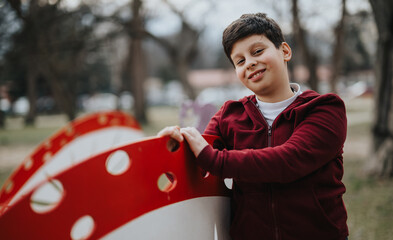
x: 177, y: 136
x: 190, y: 131
x: 191, y: 134
x: 186, y: 133
x: 195, y: 139
x: 173, y: 132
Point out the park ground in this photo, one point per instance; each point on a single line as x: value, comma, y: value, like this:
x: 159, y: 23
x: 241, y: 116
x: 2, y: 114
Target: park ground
x: 369, y: 201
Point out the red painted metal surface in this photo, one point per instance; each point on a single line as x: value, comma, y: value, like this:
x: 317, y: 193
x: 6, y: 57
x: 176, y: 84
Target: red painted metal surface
x: 113, y: 200
x: 44, y: 152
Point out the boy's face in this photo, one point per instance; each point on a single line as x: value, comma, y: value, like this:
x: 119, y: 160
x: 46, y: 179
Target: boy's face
x: 260, y: 66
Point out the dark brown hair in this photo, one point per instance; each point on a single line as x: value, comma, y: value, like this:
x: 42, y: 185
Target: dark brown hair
x: 250, y: 24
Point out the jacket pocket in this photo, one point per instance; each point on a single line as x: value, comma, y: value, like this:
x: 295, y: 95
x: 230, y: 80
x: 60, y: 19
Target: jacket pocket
x: 238, y: 209
x: 323, y: 212
x: 252, y: 218
x: 301, y: 216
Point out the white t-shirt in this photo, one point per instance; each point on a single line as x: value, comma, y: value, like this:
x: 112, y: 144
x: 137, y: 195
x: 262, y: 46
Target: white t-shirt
x: 271, y: 110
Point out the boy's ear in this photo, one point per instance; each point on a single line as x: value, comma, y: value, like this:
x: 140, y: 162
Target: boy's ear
x: 287, y: 52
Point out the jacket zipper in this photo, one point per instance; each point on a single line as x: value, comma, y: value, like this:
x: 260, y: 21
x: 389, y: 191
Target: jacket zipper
x: 269, y: 136
x: 269, y: 131
x: 273, y: 205
x: 269, y: 143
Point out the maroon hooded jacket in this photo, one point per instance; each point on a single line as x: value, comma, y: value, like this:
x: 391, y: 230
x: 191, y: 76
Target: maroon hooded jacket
x: 287, y: 178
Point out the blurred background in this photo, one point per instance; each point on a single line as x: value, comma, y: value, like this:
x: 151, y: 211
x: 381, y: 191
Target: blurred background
x: 61, y: 59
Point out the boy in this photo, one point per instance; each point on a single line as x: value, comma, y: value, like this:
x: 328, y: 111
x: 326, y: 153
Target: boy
x: 283, y: 146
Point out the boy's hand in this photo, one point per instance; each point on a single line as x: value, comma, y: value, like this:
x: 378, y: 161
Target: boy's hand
x: 173, y: 132
x: 195, y: 140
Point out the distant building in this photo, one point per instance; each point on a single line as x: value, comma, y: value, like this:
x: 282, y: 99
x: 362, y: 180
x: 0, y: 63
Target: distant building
x: 205, y: 78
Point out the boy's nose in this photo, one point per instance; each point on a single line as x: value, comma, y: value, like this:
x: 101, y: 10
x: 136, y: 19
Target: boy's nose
x: 251, y: 65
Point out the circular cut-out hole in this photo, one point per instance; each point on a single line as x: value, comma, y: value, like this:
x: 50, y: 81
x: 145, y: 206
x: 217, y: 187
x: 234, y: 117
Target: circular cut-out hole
x: 47, y: 156
x: 47, y: 197
x: 228, y: 182
x: 69, y: 131
x: 118, y: 162
x: 9, y: 186
x: 102, y: 119
x: 63, y: 142
x: 172, y: 145
x: 167, y: 182
x: 48, y: 144
x: 28, y: 164
x: 82, y: 228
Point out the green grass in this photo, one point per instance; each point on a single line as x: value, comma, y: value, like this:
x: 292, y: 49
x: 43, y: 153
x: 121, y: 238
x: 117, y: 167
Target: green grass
x: 29, y: 135
x: 369, y: 203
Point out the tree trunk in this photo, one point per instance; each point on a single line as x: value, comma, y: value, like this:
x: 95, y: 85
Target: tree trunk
x: 312, y: 65
x: 137, y: 61
x: 31, y: 93
x: 310, y: 59
x: 137, y: 74
x: 338, y: 48
x: 381, y: 163
x: 62, y: 97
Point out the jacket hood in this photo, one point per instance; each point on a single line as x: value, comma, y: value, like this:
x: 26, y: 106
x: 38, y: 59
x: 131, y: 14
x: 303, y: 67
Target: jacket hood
x: 308, y: 99
x: 304, y: 97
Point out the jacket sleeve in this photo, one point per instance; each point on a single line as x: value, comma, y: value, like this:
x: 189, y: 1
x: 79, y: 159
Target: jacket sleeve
x: 314, y: 142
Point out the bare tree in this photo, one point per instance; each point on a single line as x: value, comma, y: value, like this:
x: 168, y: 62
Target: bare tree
x: 184, y: 50
x: 53, y: 44
x: 181, y: 49
x: 134, y: 70
x: 338, y: 53
x: 309, y: 57
x: 381, y: 163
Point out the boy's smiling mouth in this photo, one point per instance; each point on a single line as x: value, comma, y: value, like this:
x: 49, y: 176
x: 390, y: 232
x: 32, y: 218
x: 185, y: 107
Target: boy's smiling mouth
x: 256, y: 75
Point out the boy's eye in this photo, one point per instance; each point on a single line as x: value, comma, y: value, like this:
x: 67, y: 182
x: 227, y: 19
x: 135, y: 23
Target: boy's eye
x: 258, y: 51
x: 240, y: 61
